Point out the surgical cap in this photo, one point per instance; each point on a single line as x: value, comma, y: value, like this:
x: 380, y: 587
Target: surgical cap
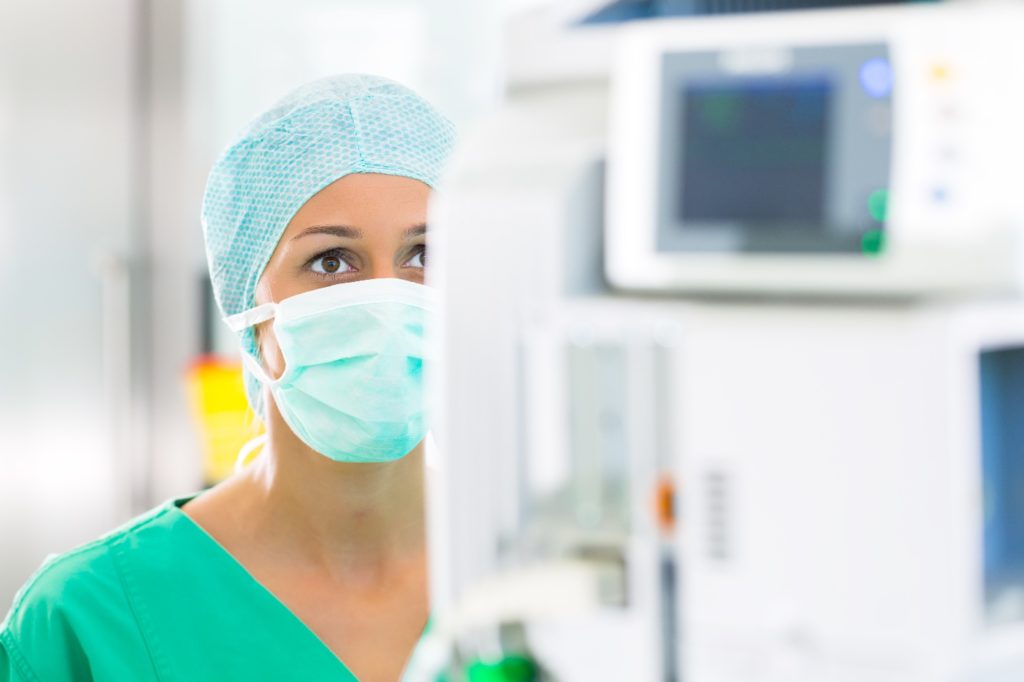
x: 313, y: 136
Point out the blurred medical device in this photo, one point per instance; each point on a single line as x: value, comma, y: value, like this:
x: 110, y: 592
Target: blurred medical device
x: 734, y: 339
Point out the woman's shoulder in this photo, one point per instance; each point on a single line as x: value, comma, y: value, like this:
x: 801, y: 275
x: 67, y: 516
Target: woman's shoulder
x: 76, y: 600
x: 82, y: 570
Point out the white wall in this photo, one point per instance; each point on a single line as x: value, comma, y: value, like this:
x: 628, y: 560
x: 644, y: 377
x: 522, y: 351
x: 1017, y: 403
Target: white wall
x: 68, y: 130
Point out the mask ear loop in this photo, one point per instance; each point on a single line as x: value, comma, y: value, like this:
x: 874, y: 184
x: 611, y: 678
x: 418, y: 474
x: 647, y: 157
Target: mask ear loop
x: 239, y: 323
x: 243, y: 321
x: 247, y: 449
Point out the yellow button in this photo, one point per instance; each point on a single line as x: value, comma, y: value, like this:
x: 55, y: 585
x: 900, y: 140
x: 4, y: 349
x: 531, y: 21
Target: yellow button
x: 941, y: 71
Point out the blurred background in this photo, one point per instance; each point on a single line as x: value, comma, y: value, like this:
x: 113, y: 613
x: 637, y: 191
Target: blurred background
x: 112, y: 388
x: 741, y: 398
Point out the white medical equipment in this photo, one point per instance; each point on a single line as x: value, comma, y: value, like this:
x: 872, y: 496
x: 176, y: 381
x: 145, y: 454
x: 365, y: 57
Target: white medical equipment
x: 772, y: 154
x: 830, y: 378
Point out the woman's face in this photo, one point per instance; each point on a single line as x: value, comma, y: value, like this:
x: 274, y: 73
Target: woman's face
x: 362, y: 226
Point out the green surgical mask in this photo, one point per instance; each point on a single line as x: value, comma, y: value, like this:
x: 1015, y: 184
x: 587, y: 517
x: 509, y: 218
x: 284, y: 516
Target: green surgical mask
x: 352, y: 387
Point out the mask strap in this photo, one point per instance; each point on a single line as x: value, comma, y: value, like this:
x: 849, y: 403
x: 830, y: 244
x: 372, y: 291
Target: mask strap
x: 258, y: 441
x: 244, y: 320
x: 253, y: 365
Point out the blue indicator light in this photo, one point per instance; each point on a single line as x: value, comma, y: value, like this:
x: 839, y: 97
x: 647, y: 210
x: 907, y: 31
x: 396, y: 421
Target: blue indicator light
x: 876, y: 77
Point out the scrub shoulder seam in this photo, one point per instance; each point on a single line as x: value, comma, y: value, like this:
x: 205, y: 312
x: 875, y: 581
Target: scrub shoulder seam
x: 136, y: 605
x: 20, y: 662
x: 103, y: 542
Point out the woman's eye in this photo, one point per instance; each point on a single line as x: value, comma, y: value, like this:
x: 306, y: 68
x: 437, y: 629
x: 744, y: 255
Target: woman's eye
x: 419, y: 259
x: 330, y: 264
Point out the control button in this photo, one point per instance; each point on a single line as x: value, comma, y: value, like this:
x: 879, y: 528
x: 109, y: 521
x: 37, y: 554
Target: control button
x: 948, y: 112
x: 878, y: 204
x: 876, y: 77
x: 872, y: 243
x: 940, y: 72
x: 948, y: 154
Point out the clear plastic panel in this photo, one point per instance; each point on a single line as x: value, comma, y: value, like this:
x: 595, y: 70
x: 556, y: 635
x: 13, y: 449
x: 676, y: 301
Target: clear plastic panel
x: 1002, y: 431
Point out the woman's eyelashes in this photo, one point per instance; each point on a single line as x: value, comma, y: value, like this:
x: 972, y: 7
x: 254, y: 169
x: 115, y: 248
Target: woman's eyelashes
x: 419, y: 258
x: 337, y: 263
x: 330, y: 263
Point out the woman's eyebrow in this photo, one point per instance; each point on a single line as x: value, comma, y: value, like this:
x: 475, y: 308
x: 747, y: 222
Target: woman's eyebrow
x: 415, y: 231
x: 336, y: 230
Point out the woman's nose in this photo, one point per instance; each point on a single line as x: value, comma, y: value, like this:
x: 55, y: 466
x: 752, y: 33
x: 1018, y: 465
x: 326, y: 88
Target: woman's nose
x: 384, y: 268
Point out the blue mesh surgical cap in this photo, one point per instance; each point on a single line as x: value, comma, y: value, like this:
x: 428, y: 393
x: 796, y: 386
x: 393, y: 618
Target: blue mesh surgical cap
x: 315, y: 135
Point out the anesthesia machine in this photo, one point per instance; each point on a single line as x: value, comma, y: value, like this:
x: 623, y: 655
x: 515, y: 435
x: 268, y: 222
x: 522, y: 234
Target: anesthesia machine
x: 733, y: 340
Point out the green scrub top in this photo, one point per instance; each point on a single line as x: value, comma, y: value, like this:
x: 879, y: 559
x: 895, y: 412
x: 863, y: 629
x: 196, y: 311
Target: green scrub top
x: 156, y: 599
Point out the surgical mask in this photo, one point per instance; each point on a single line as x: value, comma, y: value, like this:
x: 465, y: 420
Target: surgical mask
x: 352, y: 386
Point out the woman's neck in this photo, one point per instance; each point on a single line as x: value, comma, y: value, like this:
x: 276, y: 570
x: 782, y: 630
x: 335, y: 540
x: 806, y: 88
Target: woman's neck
x: 360, y: 522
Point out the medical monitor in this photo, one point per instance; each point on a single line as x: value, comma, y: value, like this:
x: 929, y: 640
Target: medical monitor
x: 789, y: 162
x: 824, y: 154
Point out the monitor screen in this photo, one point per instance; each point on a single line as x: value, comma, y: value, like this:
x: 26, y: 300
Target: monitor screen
x: 755, y: 152
x: 786, y: 161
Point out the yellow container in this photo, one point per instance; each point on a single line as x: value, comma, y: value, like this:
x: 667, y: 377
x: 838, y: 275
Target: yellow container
x: 216, y: 395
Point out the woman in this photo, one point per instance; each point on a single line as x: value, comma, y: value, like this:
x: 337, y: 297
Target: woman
x: 309, y: 564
